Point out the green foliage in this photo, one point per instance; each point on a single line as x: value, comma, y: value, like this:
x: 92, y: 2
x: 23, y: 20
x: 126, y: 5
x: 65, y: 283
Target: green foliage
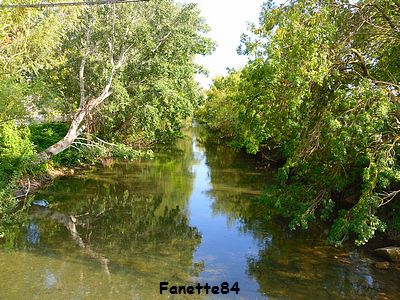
x: 11, y: 93
x: 123, y: 152
x: 156, y: 92
x: 29, y: 39
x: 393, y: 218
x: 321, y: 91
x: 10, y: 216
x: 16, y: 151
x: 44, y: 135
x: 221, y: 113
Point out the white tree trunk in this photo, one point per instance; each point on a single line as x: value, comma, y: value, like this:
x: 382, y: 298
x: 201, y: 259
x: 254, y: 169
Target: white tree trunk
x: 88, y: 105
x: 73, y: 132
x: 85, y: 105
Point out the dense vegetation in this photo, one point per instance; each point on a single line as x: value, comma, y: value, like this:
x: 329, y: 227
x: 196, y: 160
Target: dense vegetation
x: 79, y: 83
x: 320, y: 97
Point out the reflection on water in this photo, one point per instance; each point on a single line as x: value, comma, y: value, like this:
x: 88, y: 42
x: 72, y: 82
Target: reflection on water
x: 187, y: 216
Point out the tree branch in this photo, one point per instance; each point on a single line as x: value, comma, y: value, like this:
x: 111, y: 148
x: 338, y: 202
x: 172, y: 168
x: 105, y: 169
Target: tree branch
x: 386, y: 17
x: 361, y: 62
x: 161, y: 42
x: 387, y: 197
x: 82, y: 78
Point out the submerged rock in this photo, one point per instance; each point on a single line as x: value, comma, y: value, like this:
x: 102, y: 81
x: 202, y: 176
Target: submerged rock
x: 41, y: 203
x: 389, y: 253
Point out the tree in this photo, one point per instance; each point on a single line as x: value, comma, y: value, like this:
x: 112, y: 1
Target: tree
x: 28, y: 43
x: 157, y: 91
x: 321, y: 88
x: 116, y: 41
x: 221, y: 111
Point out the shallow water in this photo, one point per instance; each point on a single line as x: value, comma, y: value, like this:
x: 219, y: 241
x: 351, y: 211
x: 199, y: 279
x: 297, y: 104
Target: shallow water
x: 186, y: 216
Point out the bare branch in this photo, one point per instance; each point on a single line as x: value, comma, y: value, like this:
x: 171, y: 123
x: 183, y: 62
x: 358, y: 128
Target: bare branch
x: 362, y: 64
x: 122, y: 57
x: 361, y: 61
x: 80, y: 130
x: 111, y: 46
x: 387, y: 197
x: 104, y: 142
x: 111, y: 42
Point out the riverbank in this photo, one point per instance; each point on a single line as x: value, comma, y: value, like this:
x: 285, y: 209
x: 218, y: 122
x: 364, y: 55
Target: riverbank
x: 31, y: 183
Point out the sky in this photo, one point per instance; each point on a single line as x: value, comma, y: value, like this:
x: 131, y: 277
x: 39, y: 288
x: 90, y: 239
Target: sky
x: 228, y: 20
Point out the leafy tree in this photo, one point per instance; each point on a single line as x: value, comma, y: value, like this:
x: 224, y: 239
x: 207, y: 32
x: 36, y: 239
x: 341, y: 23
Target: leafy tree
x: 64, y: 63
x: 143, y: 51
x: 321, y: 89
x: 157, y: 90
x: 222, y: 94
x: 28, y: 42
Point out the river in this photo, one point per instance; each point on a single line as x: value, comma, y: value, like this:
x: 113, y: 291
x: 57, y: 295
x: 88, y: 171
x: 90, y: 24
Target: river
x: 189, y: 215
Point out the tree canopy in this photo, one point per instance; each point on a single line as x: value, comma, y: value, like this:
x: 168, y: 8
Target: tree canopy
x: 320, y: 95
x: 123, y: 74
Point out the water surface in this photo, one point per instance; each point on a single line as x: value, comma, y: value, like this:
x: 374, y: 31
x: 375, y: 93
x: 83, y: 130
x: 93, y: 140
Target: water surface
x: 186, y: 216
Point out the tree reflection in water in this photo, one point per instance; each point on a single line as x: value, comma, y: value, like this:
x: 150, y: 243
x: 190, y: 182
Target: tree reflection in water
x: 136, y: 217
x: 133, y: 215
x: 288, y: 265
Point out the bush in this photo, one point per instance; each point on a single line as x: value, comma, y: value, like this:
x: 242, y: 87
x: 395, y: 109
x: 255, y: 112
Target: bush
x: 330, y: 108
x: 46, y: 134
x: 16, y: 151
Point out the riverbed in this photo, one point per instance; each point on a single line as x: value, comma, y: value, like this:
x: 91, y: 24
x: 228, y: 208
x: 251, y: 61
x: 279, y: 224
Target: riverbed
x: 188, y: 216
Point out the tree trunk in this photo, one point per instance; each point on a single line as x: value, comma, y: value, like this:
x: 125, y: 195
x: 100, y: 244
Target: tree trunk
x: 87, y: 125
x: 86, y: 106
x: 73, y: 132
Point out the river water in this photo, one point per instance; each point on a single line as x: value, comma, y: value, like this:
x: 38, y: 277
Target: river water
x: 186, y: 216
